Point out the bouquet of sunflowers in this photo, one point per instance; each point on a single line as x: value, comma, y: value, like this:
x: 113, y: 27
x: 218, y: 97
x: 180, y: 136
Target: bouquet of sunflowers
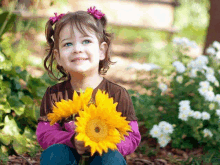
x: 99, y: 125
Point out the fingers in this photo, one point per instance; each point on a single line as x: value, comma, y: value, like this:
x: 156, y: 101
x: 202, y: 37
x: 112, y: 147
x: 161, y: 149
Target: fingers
x: 81, y: 151
x: 80, y: 147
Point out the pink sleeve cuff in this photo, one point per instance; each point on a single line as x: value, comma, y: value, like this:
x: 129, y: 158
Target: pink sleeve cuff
x: 48, y: 135
x: 131, y: 142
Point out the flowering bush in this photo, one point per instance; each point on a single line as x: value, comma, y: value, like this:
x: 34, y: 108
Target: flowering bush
x: 189, y: 105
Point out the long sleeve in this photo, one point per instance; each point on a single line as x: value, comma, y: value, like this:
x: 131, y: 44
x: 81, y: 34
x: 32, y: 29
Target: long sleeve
x: 48, y: 135
x: 124, y: 147
x: 131, y: 142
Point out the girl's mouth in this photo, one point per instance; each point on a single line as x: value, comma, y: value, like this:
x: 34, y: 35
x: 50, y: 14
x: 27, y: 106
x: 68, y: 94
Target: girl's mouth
x: 79, y: 60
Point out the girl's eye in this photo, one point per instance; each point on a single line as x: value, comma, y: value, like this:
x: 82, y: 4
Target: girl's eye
x: 86, y: 41
x: 67, y: 44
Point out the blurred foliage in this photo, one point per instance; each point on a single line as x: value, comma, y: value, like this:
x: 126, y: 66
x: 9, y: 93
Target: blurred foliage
x: 20, y: 93
x: 192, y: 18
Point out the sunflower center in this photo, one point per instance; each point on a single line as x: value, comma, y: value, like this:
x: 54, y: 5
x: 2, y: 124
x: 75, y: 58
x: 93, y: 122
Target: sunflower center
x: 96, y: 130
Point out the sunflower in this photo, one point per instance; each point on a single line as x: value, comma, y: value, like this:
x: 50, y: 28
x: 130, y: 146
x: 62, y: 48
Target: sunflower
x: 65, y: 109
x: 100, y: 126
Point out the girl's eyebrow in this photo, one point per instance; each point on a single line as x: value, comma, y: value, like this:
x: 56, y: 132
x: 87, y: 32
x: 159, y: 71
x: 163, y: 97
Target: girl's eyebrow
x: 79, y: 37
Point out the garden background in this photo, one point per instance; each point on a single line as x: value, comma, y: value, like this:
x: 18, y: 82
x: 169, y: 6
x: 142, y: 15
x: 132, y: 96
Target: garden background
x: 24, y: 81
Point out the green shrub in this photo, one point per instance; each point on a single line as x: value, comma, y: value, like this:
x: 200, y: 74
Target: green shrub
x: 187, y: 108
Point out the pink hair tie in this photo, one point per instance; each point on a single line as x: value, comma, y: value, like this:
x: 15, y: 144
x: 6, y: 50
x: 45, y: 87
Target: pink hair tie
x: 97, y: 14
x: 56, y: 18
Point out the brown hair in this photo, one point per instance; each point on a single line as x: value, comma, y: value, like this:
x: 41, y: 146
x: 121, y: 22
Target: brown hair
x: 80, y: 19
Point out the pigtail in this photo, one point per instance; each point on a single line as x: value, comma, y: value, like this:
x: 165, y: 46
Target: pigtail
x: 107, y: 37
x: 49, y: 33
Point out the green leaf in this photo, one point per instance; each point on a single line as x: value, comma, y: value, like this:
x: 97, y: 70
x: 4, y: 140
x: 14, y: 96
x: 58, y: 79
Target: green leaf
x: 18, y: 69
x: 23, y: 75
x: 16, y: 83
x: 20, y: 95
x: 5, y: 139
x: 30, y: 112
x: 19, y: 144
x: 5, y: 107
x: 29, y: 133
x: 41, y: 91
x: 16, y: 105
x: 10, y: 21
x: 11, y: 127
x: 27, y: 99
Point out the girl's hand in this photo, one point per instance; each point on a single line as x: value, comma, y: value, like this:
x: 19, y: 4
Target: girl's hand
x: 80, y: 146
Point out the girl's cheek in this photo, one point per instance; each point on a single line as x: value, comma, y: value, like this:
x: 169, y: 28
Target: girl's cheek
x: 68, y: 50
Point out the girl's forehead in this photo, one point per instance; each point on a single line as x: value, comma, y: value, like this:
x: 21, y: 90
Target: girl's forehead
x: 69, y: 30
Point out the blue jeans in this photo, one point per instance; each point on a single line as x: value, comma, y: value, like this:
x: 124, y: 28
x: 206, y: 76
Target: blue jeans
x: 60, y: 154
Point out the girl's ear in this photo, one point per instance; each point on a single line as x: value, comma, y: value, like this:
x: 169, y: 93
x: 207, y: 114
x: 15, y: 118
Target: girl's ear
x: 102, y: 50
x: 56, y: 54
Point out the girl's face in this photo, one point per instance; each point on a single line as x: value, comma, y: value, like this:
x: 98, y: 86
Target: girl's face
x: 76, y: 45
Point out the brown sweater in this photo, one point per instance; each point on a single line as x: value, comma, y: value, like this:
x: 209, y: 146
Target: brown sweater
x: 64, y: 91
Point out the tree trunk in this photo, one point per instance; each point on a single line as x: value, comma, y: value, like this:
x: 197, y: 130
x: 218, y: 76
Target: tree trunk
x: 213, y: 33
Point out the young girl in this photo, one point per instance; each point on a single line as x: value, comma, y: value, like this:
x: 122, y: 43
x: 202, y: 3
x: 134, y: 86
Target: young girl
x: 80, y: 45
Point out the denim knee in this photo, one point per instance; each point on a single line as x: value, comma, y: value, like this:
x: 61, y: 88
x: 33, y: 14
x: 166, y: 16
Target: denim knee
x: 112, y: 157
x: 59, y: 154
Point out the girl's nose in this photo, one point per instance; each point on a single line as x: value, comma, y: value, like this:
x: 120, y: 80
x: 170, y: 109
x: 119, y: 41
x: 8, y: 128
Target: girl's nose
x: 77, y: 48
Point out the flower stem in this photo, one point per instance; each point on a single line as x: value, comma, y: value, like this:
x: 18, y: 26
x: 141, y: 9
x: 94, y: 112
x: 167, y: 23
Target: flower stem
x: 82, y: 160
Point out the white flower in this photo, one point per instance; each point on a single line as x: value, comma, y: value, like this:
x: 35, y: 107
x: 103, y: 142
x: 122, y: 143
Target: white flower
x: 201, y: 61
x: 168, y: 129
x: 216, y: 83
x: 209, y: 96
x: 210, y: 70
x: 190, y: 113
x: 163, y: 87
x: 218, y: 112
x: 2, y: 58
x: 207, y: 133
x: 183, y: 116
x: 185, y: 41
x: 180, y: 68
x: 210, y: 51
x: 197, y: 115
x: 211, y: 106
x: 204, y: 84
x: 164, y: 141
x: 216, y: 44
x: 145, y: 66
x: 193, y: 73
x: 192, y: 64
x: 193, y: 44
x: 205, y: 116
x: 162, y: 124
x: 155, y: 131
x: 176, y: 40
x: 210, y: 78
x: 179, y: 79
x: 184, y: 108
x: 218, y: 55
x: 210, y: 88
x: 183, y: 102
x: 149, y: 67
x: 136, y: 65
x: 203, y: 91
x: 217, y: 98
